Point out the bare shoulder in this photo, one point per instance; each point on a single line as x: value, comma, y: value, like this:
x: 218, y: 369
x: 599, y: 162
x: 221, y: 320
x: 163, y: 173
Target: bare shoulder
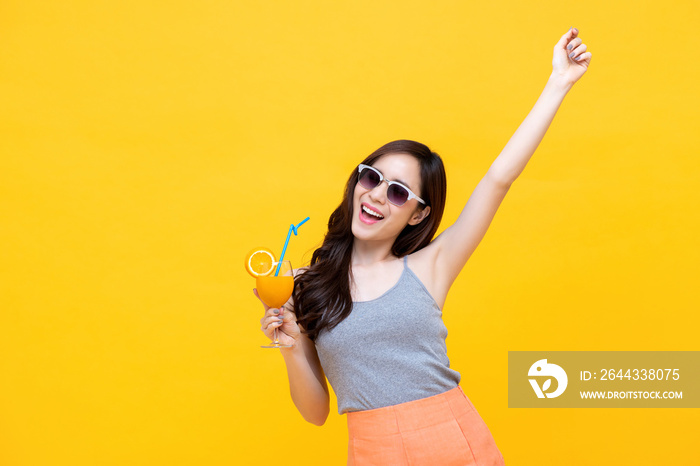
x: 300, y: 270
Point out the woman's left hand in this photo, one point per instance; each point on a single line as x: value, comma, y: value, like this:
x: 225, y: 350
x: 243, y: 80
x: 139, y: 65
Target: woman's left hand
x: 567, y: 69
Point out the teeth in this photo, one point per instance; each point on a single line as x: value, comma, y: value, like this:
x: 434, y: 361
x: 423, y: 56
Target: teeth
x: 371, y: 212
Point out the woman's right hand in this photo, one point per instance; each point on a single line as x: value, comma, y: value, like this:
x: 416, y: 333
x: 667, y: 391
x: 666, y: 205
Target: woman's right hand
x: 288, y: 331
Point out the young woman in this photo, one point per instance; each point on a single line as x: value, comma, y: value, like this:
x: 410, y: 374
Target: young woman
x: 367, y: 311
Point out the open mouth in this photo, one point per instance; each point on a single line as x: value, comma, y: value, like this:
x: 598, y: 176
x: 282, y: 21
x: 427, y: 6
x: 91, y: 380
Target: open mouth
x: 369, y: 216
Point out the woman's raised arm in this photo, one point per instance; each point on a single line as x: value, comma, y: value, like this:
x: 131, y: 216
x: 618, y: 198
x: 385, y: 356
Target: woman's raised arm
x: 455, y: 245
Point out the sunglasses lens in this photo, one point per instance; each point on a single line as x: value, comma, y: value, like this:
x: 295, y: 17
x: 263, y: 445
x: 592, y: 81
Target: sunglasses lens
x: 369, y: 178
x: 397, y: 195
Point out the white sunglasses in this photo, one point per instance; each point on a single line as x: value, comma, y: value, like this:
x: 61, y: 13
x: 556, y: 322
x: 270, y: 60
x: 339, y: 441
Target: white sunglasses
x: 396, y: 193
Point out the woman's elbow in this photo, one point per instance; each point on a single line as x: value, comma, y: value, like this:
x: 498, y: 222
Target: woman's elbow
x: 317, y: 422
x: 318, y: 419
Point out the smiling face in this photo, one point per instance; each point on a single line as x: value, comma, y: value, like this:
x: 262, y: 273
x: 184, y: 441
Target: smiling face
x: 401, y: 167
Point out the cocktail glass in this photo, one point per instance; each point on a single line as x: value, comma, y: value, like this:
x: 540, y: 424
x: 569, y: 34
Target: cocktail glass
x: 275, y: 291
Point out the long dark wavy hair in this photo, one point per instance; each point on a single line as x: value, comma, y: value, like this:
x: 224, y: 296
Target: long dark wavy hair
x: 321, y: 294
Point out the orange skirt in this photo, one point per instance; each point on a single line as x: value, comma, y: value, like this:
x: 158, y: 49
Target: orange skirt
x: 441, y: 430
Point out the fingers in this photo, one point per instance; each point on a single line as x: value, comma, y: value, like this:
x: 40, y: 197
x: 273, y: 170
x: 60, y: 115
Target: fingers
x: 279, y: 319
x: 270, y: 322
x: 576, y: 54
x: 575, y: 42
x: 287, y: 316
x: 575, y: 48
x: 583, y: 57
x: 270, y: 312
x: 564, y: 40
x: 278, y: 313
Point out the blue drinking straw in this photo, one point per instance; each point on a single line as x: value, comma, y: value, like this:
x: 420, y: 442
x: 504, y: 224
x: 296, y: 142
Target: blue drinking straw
x: 292, y: 228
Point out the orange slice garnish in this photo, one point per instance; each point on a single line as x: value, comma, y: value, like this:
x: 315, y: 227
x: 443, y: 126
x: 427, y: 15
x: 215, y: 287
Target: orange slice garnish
x: 259, y: 262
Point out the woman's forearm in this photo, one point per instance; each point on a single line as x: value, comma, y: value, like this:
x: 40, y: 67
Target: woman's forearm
x: 516, y: 154
x: 307, y: 383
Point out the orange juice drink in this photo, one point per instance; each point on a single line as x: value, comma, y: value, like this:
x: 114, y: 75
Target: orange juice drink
x: 275, y: 291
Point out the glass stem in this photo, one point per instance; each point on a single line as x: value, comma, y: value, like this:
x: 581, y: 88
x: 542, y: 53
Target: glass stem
x: 277, y: 341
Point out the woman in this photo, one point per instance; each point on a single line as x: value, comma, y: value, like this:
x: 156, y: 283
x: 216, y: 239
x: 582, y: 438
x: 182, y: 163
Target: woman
x: 367, y: 312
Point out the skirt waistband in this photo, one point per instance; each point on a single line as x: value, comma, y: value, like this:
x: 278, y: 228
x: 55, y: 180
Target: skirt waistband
x: 409, y: 416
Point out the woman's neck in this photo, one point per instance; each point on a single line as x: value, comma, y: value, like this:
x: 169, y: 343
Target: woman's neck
x: 370, y: 252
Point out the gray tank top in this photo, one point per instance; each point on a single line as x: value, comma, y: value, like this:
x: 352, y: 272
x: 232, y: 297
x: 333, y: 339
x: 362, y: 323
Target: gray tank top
x: 389, y: 350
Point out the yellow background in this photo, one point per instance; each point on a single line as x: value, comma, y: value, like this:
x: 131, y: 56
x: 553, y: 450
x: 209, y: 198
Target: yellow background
x: 147, y: 146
